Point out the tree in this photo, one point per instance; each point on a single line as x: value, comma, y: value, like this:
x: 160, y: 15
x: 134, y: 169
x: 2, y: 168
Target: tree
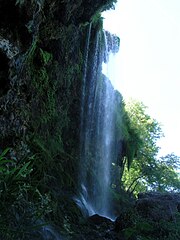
x: 147, y: 171
x: 166, y: 175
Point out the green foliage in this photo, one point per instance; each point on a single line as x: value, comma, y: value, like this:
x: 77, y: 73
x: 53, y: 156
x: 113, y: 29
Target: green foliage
x: 127, y: 133
x: 54, y: 101
x: 45, y: 159
x: 20, y: 2
x: 31, y: 51
x: 97, y: 21
x: 138, y: 229
x: 110, y: 4
x: 147, y: 128
x: 45, y: 92
x: 144, y: 229
x: 12, y: 174
x: 144, y: 170
x: 18, y: 192
x: 165, y: 176
x: 45, y: 56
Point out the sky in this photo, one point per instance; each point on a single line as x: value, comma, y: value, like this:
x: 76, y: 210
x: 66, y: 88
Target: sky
x: 147, y: 67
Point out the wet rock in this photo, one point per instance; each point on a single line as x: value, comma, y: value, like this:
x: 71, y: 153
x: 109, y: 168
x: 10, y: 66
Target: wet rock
x: 102, y: 226
x: 123, y: 221
x: 8, y: 48
x: 158, y: 206
x: 98, y: 220
x: 96, y: 227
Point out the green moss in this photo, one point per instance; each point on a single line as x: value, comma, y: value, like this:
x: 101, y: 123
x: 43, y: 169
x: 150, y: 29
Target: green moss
x: 45, y: 56
x: 97, y: 21
x: 20, y: 2
x: 146, y: 229
x: 20, y: 192
x: 31, y: 52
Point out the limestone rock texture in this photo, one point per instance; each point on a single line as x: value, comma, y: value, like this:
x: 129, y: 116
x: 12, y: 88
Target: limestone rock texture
x: 42, y: 47
x: 158, y: 206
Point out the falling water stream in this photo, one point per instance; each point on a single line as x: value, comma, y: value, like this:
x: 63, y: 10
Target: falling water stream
x: 48, y: 233
x: 98, y: 145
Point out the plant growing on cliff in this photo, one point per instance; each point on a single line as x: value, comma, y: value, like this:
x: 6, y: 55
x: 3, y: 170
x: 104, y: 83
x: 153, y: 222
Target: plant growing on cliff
x: 110, y: 4
x: 20, y: 2
x: 19, y: 191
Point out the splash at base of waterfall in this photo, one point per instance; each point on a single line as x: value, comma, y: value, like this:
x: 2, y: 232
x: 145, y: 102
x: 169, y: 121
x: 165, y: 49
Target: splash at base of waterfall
x: 49, y: 233
x: 83, y: 203
x: 86, y: 207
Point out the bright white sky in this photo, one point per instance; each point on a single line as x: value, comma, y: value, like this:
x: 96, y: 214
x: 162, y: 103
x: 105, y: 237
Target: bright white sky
x: 148, y: 63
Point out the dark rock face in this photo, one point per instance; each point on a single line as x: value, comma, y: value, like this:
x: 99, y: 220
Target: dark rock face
x: 158, y: 206
x: 42, y: 44
x: 78, y: 11
x: 97, y: 220
x: 154, y: 216
x: 96, y: 227
x: 123, y: 221
x: 4, y: 84
x: 41, y: 51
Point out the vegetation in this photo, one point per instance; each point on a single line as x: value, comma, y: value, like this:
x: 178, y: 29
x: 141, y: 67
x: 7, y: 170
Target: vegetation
x: 39, y: 119
x: 146, y: 229
x: 147, y: 171
x: 142, y: 170
x: 20, y: 192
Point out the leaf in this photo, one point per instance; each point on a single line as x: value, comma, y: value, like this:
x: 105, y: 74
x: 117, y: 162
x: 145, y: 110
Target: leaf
x: 130, y: 232
x: 5, y: 161
x: 21, y: 171
x: 1, y: 169
x: 4, y: 153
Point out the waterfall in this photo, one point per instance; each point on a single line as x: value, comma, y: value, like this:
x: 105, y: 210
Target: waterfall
x: 98, y: 142
x: 48, y: 233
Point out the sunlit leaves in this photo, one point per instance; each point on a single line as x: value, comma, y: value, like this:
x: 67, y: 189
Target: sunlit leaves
x: 147, y: 171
